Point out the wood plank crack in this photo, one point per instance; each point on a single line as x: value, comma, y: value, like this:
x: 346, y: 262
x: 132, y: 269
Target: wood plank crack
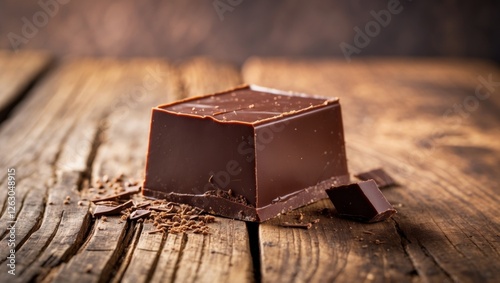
x: 404, y: 245
x: 22, y: 72
x: 436, y: 262
x: 126, y: 257
x: 177, y: 264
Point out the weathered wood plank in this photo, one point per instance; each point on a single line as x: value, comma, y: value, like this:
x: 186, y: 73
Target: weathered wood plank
x: 329, y: 248
x: 98, y: 258
x: 61, y: 231
x: 222, y: 256
x: 33, y: 146
x: 132, y: 88
x: 168, y: 261
x: 226, y: 254
x: 424, y: 123
x: 145, y: 256
x: 17, y: 72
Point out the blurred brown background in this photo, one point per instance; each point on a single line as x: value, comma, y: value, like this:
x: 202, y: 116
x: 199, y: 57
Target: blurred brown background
x: 242, y: 28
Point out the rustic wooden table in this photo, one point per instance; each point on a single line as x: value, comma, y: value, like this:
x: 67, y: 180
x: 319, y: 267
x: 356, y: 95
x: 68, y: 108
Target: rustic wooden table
x: 433, y: 124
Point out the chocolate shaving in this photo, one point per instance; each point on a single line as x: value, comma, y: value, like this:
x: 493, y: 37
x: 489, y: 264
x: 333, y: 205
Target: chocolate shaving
x: 140, y: 213
x: 166, y: 217
x: 142, y: 204
x: 111, y: 210
x: 107, y: 203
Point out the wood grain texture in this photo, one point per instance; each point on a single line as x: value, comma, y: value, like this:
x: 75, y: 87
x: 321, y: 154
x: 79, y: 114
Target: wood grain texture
x: 17, y: 72
x: 33, y: 146
x: 131, y: 89
x: 424, y: 123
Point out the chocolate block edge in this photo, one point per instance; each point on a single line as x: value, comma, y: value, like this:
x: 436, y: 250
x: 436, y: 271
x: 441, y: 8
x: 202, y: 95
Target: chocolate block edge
x: 233, y: 210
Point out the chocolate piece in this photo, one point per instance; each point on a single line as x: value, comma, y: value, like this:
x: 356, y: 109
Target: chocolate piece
x: 362, y: 201
x: 380, y: 177
x: 111, y: 210
x: 249, y: 153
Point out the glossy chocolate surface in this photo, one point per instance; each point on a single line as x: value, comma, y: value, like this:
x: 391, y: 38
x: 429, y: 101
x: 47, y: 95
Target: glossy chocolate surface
x: 362, y: 201
x: 248, y: 153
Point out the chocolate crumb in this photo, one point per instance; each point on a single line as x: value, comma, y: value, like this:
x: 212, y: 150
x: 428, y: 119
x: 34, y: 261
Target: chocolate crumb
x: 229, y: 196
x: 300, y: 217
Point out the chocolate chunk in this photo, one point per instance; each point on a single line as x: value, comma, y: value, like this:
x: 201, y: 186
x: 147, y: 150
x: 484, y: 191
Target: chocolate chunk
x: 249, y: 153
x: 362, y: 201
x: 111, y: 210
x: 379, y: 176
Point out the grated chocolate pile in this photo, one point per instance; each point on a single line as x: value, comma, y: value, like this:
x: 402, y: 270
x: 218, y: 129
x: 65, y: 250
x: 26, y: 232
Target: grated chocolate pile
x: 121, y: 196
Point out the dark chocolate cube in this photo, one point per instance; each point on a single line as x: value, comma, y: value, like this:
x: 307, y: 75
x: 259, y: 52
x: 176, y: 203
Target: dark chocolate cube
x: 249, y: 153
x: 362, y: 201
